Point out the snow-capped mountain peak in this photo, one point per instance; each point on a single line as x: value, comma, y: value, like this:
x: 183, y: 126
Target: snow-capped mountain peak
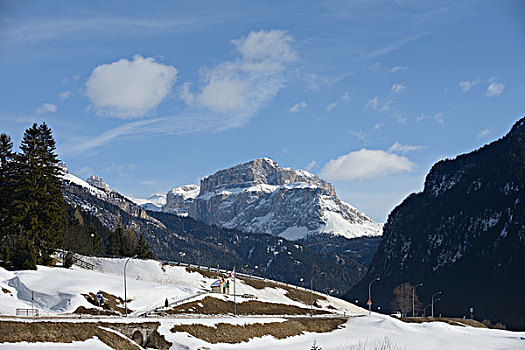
x: 262, y: 196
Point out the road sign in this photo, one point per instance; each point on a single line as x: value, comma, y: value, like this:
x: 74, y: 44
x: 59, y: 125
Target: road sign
x: 369, y: 302
x: 99, y: 296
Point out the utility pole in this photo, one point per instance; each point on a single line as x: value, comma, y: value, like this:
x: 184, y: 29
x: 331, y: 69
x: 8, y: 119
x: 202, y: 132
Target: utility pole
x: 370, y: 295
x: 414, y: 299
x: 312, y: 296
x: 234, y: 294
x: 433, y: 303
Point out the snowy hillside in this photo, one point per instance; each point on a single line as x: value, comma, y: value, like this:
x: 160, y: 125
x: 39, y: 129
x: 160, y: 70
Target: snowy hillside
x: 261, y: 196
x: 59, y: 292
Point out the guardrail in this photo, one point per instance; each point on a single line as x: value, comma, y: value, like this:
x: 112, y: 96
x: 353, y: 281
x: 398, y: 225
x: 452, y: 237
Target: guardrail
x: 27, y: 312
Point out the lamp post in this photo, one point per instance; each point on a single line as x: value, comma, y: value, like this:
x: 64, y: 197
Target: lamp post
x: 92, y: 244
x: 125, y: 289
x: 433, y: 303
x: 370, y: 295
x: 414, y: 299
x: 425, y: 310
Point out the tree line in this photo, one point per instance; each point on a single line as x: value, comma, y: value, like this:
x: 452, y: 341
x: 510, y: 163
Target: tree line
x: 35, y: 220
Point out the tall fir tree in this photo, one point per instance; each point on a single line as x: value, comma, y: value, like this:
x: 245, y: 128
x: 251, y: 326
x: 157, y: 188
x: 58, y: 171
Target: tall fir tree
x: 39, y: 206
x: 6, y: 197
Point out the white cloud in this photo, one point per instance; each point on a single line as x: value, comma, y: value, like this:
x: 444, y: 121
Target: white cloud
x: 400, y: 148
x: 386, y: 106
x: 494, y: 89
x: 484, y: 133
x: 64, y: 95
x: 346, y: 96
x: 46, y: 108
x: 466, y: 85
x: 361, y: 136
x: 310, y: 165
x: 398, y: 88
x: 398, y: 69
x: 130, y: 89
x: 400, y: 119
x: 331, y: 106
x: 372, y: 103
x: 242, y: 87
x: 438, y: 117
x: 298, y: 107
x: 263, y: 45
x: 366, y: 164
x: 378, y: 126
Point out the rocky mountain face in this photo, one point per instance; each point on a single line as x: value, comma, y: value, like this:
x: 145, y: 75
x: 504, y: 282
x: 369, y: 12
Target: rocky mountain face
x: 181, y: 200
x: 96, y: 198
x: 261, y: 196
x: 98, y: 182
x: 178, y: 238
x: 463, y: 235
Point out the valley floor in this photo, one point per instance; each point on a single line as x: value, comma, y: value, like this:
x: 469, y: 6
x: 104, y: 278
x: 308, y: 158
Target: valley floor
x: 198, y: 319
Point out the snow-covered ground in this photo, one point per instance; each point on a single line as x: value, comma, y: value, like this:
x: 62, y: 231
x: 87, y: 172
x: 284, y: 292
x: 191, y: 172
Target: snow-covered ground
x: 58, y: 292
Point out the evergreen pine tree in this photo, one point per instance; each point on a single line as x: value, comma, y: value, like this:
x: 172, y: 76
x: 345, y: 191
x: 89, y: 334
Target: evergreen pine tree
x: 38, y: 201
x: 143, y: 249
x: 6, y: 195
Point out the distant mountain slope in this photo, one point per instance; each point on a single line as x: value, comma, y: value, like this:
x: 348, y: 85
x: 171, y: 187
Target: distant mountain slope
x: 173, y: 237
x: 463, y: 235
x: 261, y: 196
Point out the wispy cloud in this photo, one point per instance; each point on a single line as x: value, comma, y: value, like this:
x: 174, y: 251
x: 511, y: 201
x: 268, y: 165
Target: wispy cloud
x: 372, y: 103
x: 398, y: 88
x: 466, y: 85
x: 495, y: 88
x: 298, y: 107
x: 243, y: 86
x: 79, y: 27
x: 64, y: 95
x: 331, y: 106
x: 396, y: 69
x: 484, y: 133
x: 46, y: 108
x: 310, y: 166
x: 394, y: 46
x: 400, y: 148
x: 361, y: 136
x: 174, y: 125
x: 437, y: 117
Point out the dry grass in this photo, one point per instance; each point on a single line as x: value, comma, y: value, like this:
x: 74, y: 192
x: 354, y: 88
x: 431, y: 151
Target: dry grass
x: 81, y: 310
x: 65, y: 332
x: 449, y: 320
x: 296, y: 294
x: 205, y: 273
x: 60, y: 332
x: 109, y: 302
x: 232, y: 334
x: 214, y: 306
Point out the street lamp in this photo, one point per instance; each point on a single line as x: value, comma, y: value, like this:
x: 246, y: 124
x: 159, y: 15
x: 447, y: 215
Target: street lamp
x: 425, y: 310
x: 92, y: 245
x: 414, y: 298
x: 125, y: 290
x: 370, y: 295
x: 433, y: 303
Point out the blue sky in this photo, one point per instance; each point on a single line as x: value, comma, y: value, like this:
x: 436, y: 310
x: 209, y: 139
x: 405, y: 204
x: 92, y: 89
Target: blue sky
x: 366, y: 94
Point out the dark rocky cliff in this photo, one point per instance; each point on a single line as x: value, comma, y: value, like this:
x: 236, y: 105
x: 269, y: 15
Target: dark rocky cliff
x: 463, y: 235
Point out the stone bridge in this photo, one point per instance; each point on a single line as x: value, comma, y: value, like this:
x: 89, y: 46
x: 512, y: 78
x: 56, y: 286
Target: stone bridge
x: 145, y: 333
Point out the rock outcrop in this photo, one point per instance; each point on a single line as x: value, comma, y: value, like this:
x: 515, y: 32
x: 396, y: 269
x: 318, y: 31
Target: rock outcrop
x: 261, y: 196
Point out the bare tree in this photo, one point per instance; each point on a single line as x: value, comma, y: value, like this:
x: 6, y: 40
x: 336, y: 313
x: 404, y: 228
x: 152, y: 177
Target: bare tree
x: 403, y: 299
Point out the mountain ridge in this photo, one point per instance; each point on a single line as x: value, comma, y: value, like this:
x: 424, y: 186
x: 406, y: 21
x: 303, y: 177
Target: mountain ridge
x: 262, y: 196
